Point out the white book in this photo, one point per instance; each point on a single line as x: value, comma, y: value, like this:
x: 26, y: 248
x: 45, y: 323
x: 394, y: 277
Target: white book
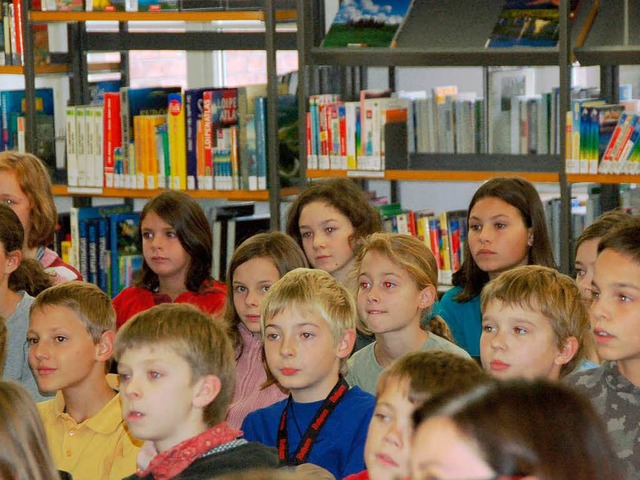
x: 98, y: 146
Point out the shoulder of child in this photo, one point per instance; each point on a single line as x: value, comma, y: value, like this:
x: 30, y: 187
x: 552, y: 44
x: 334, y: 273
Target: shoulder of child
x: 586, y: 379
x: 435, y: 342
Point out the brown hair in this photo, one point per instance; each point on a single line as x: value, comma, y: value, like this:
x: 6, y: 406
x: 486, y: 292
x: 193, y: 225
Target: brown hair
x: 602, y: 225
x: 624, y: 239
x: 343, y: 195
x: 185, y: 215
x: 277, y: 247
x: 194, y: 336
x: 530, y: 427
x: 522, y: 195
x: 34, y: 180
x: 25, y: 451
x: 412, y: 255
x: 428, y: 373
x: 550, y: 293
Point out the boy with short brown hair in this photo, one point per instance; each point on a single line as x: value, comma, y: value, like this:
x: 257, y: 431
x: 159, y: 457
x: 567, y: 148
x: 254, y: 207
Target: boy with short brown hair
x: 70, y: 337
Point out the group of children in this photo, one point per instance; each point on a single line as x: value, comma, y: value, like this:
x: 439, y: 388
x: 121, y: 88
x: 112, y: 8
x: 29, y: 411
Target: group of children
x: 261, y: 372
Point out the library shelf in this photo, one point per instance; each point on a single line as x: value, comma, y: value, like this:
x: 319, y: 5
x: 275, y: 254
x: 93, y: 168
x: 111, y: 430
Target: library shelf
x: 234, y: 195
x: 611, y: 179
x: 433, y: 175
x: 186, y: 16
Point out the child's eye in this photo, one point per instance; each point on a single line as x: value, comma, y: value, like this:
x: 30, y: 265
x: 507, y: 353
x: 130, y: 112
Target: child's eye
x: 59, y: 338
x: 475, y: 227
x: 172, y: 234
x: 594, y: 294
x: 272, y: 336
x: 265, y: 288
x: 305, y: 234
x: 153, y: 375
x: 488, y: 328
x: 307, y: 335
x: 8, y: 201
x: 147, y: 235
x: 520, y: 331
x: 330, y: 229
x: 500, y: 226
x: 32, y: 340
x: 364, y: 285
x: 624, y: 298
x: 240, y: 289
x: 580, y: 272
x: 124, y: 377
x: 389, y: 284
x: 381, y: 417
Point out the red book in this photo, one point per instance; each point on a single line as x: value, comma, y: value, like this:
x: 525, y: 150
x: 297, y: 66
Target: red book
x: 112, y: 134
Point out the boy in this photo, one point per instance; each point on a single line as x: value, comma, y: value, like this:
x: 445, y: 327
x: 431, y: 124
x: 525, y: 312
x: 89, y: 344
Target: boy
x: 403, y: 386
x: 177, y: 372
x: 534, y: 324
x: 70, y: 338
x: 614, y: 388
x: 308, y: 326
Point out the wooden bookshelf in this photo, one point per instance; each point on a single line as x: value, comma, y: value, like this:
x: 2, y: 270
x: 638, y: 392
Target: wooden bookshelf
x: 433, y: 175
x: 162, y: 16
x: 235, y: 195
x: 612, y: 179
x: 41, y: 70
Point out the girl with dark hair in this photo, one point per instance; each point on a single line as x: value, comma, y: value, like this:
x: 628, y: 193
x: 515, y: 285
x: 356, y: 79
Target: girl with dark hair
x: 177, y: 250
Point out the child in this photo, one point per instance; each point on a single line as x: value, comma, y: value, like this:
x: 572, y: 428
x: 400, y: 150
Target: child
x: 507, y: 228
x: 177, y: 371
x: 614, y: 388
x: 534, y: 324
x: 308, y: 322
x: 177, y: 249
x: 329, y: 220
x: 24, y: 453
x: 402, y: 387
x: 515, y: 429
x: 397, y: 276
x: 70, y: 344
x: 17, y: 279
x: 26, y: 187
x: 256, y: 265
x: 587, y: 247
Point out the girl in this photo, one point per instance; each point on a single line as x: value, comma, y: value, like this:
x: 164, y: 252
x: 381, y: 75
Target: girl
x: 329, y: 220
x: 529, y: 430
x: 397, y: 277
x: 18, y: 278
x: 177, y: 250
x: 257, y: 263
x: 506, y: 228
x: 25, y: 186
x: 25, y: 452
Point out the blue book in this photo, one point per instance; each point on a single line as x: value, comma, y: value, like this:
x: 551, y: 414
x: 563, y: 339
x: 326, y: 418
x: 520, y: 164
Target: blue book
x: 260, y: 120
x: 126, y: 250
x: 13, y: 101
x: 194, y: 132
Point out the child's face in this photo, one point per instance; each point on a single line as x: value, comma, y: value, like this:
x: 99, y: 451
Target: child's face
x: 498, y: 237
x: 440, y: 450
x: 62, y: 353
x: 158, y: 395
x: 14, y: 196
x: 162, y: 249
x: 325, y: 236
x: 517, y: 342
x: 251, y: 282
x: 387, y: 450
x: 302, y: 353
x: 586, y: 255
x: 616, y: 308
x: 388, y: 299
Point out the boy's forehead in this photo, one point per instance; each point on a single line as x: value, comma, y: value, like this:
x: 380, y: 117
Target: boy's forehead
x: 619, y: 267
x: 297, y: 314
x: 56, y: 315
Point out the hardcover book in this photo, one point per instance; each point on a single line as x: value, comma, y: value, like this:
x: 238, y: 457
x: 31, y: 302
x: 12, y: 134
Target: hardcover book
x: 367, y: 23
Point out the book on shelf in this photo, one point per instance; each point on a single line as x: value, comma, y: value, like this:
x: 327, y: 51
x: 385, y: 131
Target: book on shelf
x: 126, y: 250
x: 176, y: 138
x: 112, y: 135
x: 367, y: 23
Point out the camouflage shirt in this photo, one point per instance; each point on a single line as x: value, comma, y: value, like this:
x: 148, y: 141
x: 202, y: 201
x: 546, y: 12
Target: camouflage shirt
x: 618, y: 401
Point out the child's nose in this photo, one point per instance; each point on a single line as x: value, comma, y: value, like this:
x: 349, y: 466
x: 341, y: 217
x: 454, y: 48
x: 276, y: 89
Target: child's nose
x: 498, y: 340
x: 252, y: 298
x: 40, y: 350
x: 287, y: 347
x: 318, y: 240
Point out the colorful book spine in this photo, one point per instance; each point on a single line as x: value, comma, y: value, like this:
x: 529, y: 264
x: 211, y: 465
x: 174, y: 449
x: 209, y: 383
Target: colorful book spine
x: 177, y: 141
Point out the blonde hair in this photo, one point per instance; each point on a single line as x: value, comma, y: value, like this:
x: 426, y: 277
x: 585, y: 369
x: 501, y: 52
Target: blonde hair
x: 92, y: 306
x: 428, y: 373
x: 413, y: 256
x: 550, y: 293
x: 25, y: 451
x: 194, y: 336
x: 34, y: 180
x: 312, y: 290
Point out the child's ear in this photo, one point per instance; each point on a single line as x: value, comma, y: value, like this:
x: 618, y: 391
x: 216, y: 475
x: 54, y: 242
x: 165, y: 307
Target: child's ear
x: 104, y: 348
x: 346, y: 343
x: 12, y: 261
x: 427, y: 297
x: 207, y: 389
x: 567, y: 351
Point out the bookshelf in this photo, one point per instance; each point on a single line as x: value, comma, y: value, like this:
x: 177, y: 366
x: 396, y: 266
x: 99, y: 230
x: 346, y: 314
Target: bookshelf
x: 427, y: 39
x: 82, y: 41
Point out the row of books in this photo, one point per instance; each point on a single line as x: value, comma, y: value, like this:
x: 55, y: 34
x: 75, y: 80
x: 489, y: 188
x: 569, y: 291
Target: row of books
x: 104, y: 244
x: 204, y: 139
x: 12, y: 35
x: 601, y: 138
x: 444, y: 234
x: 158, y: 5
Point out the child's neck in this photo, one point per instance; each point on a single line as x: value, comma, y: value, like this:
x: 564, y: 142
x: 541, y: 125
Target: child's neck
x: 392, y: 345
x: 631, y: 370
x: 8, y: 301
x: 344, y: 276
x: 317, y: 392
x: 172, y: 287
x: 85, y: 400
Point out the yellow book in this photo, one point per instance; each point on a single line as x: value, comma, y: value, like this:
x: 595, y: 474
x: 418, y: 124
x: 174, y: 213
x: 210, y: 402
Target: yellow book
x: 177, y: 141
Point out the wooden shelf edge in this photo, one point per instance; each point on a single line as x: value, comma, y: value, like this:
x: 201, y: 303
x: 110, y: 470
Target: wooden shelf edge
x: 187, y: 16
x: 40, y: 70
x: 239, y: 195
x: 612, y: 179
x: 433, y: 175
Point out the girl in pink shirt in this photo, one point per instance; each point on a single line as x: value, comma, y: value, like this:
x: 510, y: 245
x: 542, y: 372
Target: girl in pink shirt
x: 257, y: 264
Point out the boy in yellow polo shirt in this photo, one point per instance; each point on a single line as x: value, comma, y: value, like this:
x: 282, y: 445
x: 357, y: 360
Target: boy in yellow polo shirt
x: 71, y: 334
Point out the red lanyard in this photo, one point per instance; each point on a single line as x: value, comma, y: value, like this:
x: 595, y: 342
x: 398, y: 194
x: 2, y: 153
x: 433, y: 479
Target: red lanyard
x: 319, y: 420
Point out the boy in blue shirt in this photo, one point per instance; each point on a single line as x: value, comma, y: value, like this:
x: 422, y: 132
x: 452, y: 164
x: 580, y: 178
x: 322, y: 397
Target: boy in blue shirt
x: 308, y: 327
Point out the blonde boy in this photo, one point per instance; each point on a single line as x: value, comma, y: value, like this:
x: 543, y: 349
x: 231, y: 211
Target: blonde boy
x: 534, y: 324
x: 70, y: 337
x: 403, y: 386
x: 177, y: 373
x: 308, y: 326
x: 614, y: 388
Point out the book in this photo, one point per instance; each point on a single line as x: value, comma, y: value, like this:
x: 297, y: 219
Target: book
x: 112, y: 134
x: 126, y: 250
x: 530, y: 23
x: 193, y: 98
x: 13, y: 101
x: 367, y: 23
x: 177, y: 141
